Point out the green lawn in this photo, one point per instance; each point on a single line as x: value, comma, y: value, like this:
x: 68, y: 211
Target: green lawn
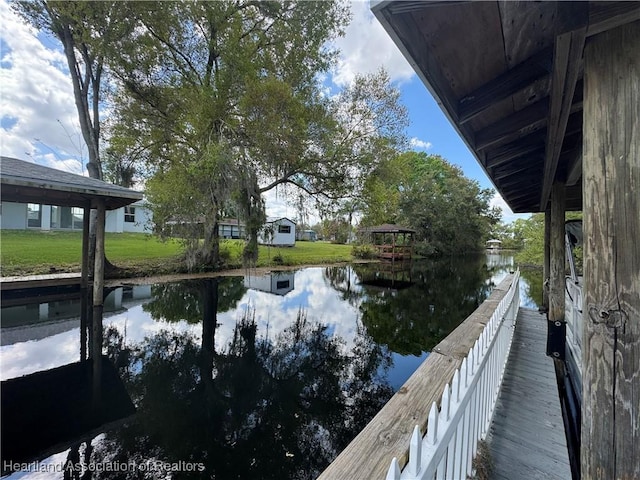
x: 32, y: 252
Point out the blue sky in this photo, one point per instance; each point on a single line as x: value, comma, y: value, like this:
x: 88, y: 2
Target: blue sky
x: 38, y: 120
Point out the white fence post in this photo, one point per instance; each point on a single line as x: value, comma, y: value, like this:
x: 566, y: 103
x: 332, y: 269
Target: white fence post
x: 453, y: 431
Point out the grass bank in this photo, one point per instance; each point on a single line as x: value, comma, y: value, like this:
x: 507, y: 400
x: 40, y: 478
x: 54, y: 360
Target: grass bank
x: 33, y: 252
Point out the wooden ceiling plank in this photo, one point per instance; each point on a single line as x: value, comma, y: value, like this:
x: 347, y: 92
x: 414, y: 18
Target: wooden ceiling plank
x: 519, y: 193
x: 522, y: 146
x: 567, y: 64
x: 408, y: 33
x: 522, y: 169
x: 505, y: 85
x: 408, y: 6
x: 520, y: 181
x: 527, y: 119
x: 609, y: 15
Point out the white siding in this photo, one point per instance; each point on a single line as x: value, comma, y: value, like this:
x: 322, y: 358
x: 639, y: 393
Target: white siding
x: 280, y: 237
x: 14, y: 216
x: 113, y: 220
x: 142, y: 220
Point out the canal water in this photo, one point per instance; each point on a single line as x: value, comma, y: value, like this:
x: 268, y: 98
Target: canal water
x: 254, y: 377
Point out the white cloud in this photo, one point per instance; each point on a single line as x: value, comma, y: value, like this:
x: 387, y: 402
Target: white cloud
x: 39, y: 118
x: 366, y: 47
x: 507, y: 214
x: 417, y: 143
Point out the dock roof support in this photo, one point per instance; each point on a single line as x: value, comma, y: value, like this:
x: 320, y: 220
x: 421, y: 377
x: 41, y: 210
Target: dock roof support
x: 611, y: 311
x: 98, y: 302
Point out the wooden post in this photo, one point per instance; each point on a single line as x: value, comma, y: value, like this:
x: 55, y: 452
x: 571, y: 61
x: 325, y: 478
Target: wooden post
x: 84, y: 284
x: 610, y: 446
x: 547, y: 260
x: 98, y: 300
x: 556, y: 326
x: 556, y: 253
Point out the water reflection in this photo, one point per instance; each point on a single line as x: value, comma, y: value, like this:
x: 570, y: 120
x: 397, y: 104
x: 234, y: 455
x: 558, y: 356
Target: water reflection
x: 252, y: 378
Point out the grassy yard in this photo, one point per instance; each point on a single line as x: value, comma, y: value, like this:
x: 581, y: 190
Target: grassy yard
x: 32, y: 252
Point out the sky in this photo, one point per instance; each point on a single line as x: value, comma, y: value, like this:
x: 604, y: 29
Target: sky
x: 38, y: 118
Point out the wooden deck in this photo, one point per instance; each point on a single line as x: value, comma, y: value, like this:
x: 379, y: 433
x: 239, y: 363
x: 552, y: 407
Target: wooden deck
x: 38, y: 281
x: 526, y: 437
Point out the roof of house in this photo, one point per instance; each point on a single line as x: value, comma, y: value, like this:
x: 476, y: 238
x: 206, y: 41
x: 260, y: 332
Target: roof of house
x: 275, y: 219
x: 27, y: 182
x: 388, y: 228
x: 509, y: 77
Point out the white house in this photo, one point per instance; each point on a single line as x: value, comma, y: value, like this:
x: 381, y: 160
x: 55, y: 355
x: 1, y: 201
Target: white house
x: 136, y: 217
x: 279, y: 232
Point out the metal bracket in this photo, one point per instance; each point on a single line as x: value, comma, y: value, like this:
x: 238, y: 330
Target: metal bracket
x: 556, y: 339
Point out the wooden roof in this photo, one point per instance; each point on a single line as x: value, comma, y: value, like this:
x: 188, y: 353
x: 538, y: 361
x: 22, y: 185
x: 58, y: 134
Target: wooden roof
x: 508, y: 75
x: 388, y: 228
x: 27, y: 182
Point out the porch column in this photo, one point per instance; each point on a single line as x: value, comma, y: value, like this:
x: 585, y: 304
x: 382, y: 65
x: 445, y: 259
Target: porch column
x: 611, y: 205
x: 98, y: 300
x: 555, y: 315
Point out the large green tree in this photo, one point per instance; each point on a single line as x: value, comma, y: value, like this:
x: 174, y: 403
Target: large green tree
x: 449, y: 212
x: 226, y: 102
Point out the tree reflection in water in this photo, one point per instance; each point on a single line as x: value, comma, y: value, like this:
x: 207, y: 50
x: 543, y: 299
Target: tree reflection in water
x: 413, y: 319
x: 260, y: 407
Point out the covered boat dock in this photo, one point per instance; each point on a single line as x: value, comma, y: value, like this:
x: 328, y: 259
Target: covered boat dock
x: 95, y: 384
x: 546, y: 95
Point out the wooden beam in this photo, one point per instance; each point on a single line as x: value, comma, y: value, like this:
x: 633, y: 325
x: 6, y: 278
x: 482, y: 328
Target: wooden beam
x: 611, y: 308
x: 605, y: 16
x: 519, y: 193
x: 556, y: 255
x: 526, y: 169
x: 519, y: 148
x: 412, y: 6
x: 520, y: 182
x: 516, y: 125
x: 505, y: 85
x: 567, y: 62
x: 546, y: 267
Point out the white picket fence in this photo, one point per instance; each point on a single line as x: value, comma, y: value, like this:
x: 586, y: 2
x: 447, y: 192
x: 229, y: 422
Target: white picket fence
x: 466, y: 407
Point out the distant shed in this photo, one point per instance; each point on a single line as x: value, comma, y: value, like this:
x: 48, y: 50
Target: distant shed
x: 279, y: 232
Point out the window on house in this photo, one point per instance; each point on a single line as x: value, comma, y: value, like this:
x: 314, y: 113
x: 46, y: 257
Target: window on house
x: 77, y: 215
x: 129, y: 214
x: 282, y: 284
x: 284, y: 228
x: 34, y: 215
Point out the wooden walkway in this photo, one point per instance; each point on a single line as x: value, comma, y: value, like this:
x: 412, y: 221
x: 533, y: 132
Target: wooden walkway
x: 526, y: 438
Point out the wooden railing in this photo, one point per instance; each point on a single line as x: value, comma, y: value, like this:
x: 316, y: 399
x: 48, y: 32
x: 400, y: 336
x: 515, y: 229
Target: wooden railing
x: 387, y: 434
x: 389, y: 251
x: 466, y: 406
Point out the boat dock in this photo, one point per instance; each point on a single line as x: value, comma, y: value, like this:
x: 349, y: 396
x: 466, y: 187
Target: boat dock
x: 526, y: 438
x: 497, y: 384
